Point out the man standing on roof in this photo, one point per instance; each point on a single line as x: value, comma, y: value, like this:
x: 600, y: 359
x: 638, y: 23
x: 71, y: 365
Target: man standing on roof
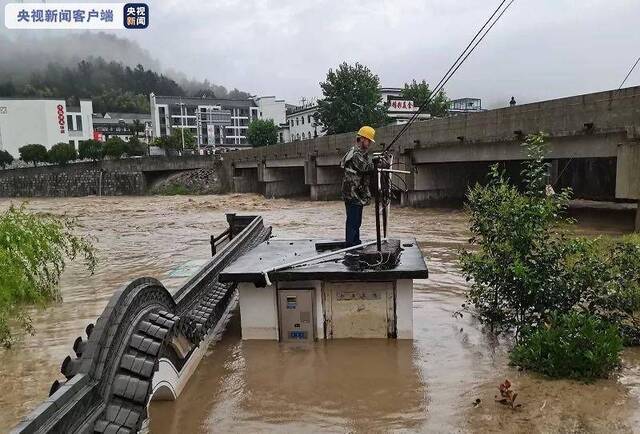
x: 358, y: 166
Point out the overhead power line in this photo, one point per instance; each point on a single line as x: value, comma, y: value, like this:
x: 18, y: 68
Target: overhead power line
x: 629, y: 73
x: 475, y: 41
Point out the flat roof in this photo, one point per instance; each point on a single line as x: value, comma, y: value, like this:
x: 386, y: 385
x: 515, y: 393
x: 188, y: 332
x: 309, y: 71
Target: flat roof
x: 275, y: 252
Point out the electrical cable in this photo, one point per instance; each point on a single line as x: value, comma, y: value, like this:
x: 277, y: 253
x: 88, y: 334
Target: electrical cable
x: 452, y: 70
x: 629, y: 73
x: 422, y: 106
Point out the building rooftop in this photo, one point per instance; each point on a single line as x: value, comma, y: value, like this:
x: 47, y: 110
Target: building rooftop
x: 127, y: 116
x: 239, y: 103
x: 275, y: 252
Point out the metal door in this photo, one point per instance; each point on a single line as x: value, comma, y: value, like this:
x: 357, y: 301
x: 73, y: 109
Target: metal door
x: 359, y: 309
x: 295, y: 311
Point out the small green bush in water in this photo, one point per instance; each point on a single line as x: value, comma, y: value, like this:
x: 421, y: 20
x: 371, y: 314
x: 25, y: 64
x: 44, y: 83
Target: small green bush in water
x: 33, y: 253
x: 572, y: 345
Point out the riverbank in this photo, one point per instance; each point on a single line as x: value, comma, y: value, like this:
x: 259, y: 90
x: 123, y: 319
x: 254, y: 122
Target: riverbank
x: 429, y: 385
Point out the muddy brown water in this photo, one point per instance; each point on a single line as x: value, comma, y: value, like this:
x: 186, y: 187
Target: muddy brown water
x: 425, y: 385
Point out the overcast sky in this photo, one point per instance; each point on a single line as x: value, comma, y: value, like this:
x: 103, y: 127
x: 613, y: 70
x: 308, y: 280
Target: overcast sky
x: 540, y: 49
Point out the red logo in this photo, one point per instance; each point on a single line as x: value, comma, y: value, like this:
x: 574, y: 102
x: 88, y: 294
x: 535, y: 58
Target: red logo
x: 61, y: 118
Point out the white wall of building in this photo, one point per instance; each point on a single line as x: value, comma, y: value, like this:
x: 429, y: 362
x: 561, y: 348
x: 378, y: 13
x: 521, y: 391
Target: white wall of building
x: 271, y: 108
x: 26, y: 121
x: 42, y: 121
x: 302, y: 125
x: 81, y: 125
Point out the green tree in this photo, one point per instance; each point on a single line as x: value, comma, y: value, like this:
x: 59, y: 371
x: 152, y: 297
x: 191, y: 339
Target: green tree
x: 168, y: 143
x: 135, y: 148
x: 5, y: 159
x: 62, y: 153
x: 34, y: 249
x: 33, y: 153
x: 114, y: 147
x: 351, y: 99
x: 136, y: 127
x: 420, y: 92
x: 262, y: 133
x: 90, y: 150
x: 189, y: 138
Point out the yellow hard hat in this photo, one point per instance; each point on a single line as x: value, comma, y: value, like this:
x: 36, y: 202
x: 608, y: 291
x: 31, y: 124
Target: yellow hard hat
x: 367, y: 133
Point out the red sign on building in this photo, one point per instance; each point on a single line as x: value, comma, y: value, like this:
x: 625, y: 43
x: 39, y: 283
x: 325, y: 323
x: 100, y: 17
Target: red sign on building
x: 61, y: 119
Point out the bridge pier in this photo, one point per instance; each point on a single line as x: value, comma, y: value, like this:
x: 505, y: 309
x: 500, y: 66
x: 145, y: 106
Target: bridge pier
x: 325, y: 182
x: 442, y: 183
x: 283, y: 181
x: 245, y: 180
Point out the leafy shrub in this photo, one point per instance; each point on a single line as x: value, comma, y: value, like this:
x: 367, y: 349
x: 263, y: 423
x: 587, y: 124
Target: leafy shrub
x: 135, y: 148
x: 518, y: 271
x: 90, y: 150
x: 5, y: 159
x: 33, y: 254
x: 33, y: 153
x: 613, y: 272
x: 168, y: 143
x: 572, y: 345
x: 62, y: 153
x: 114, y: 147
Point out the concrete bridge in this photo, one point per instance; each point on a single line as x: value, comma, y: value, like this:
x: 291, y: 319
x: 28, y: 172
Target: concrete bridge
x: 127, y: 176
x: 594, y: 142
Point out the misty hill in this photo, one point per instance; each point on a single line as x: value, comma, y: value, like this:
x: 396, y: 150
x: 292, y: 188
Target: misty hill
x: 116, y: 73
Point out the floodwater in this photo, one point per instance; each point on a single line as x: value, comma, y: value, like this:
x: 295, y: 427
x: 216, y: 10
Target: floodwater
x: 429, y: 384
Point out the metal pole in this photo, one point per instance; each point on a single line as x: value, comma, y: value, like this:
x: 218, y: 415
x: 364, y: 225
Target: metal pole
x: 182, y: 119
x: 377, y: 194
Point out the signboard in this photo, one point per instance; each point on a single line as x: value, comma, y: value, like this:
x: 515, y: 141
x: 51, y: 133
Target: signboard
x: 402, y: 105
x: 61, y: 118
x: 211, y: 132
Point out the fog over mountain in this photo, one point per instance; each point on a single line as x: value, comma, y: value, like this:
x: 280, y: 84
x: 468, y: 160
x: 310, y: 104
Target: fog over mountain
x: 23, y: 54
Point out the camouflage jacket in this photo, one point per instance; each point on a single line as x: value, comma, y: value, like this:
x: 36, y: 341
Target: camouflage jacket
x: 357, y: 167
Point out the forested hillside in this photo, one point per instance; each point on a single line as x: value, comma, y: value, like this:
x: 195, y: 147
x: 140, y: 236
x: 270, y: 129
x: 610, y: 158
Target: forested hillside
x: 111, y: 85
x: 97, y: 66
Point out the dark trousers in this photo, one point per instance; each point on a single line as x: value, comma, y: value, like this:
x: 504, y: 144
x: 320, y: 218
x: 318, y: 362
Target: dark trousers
x: 354, y: 220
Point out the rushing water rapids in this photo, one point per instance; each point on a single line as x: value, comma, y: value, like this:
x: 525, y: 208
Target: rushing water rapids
x: 425, y: 385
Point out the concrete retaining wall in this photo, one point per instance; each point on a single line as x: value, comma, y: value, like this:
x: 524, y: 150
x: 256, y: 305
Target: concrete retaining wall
x: 82, y: 179
x: 127, y: 176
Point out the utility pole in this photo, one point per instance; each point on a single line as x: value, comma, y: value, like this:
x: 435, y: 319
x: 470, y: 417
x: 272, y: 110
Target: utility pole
x: 182, y: 122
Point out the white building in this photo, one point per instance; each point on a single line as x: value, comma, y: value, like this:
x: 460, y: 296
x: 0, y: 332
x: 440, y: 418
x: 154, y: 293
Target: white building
x: 44, y: 121
x: 122, y: 125
x: 271, y: 108
x: 215, y: 122
x: 301, y: 124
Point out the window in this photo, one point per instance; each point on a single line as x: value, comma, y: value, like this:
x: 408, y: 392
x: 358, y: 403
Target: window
x: 297, y: 121
x: 79, y: 122
x: 309, y: 118
x: 302, y: 120
x: 303, y: 137
x: 70, y: 122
